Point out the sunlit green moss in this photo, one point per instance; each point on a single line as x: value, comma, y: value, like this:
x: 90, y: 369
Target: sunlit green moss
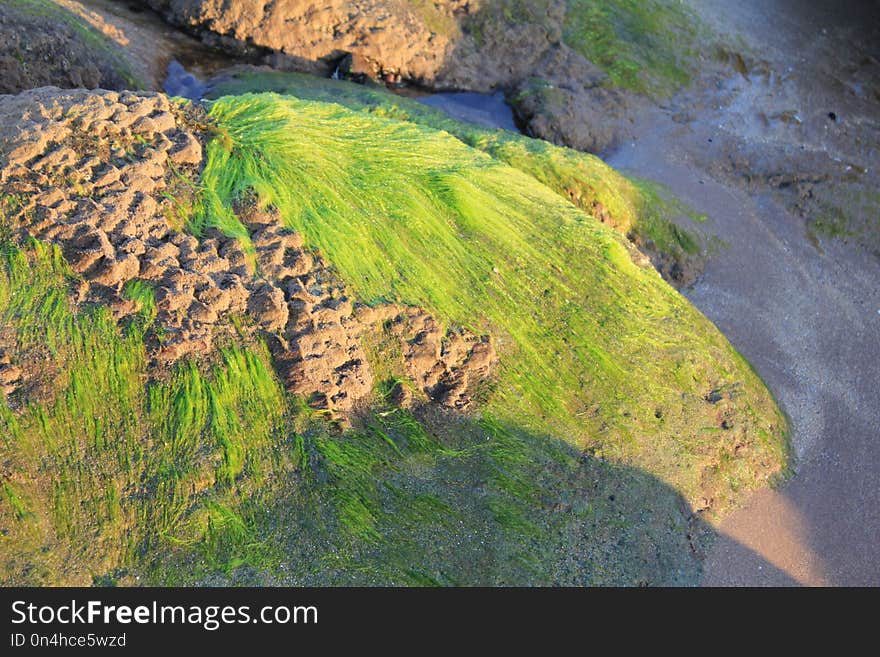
x: 109, y: 461
x: 142, y: 293
x: 572, y: 471
x: 588, y: 339
x: 202, y: 476
x: 581, y: 178
x: 644, y: 45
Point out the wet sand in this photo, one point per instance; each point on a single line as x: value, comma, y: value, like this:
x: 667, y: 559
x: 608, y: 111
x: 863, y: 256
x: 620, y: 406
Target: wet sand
x: 806, y: 312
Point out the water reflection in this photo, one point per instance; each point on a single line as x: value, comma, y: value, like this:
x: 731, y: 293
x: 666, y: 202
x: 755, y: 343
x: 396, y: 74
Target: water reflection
x: 489, y: 110
x: 180, y: 82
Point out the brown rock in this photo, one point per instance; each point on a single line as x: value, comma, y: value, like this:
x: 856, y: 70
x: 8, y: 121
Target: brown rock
x: 86, y: 248
x: 109, y: 176
x: 200, y: 312
x: 113, y: 272
x: 170, y: 301
x: 187, y: 150
x: 268, y: 307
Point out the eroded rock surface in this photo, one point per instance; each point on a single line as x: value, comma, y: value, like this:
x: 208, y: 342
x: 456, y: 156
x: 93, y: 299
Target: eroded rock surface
x: 109, y: 177
x: 318, y: 330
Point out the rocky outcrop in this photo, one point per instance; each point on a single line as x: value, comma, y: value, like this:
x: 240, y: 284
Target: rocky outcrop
x: 43, y: 44
x: 385, y: 38
x: 110, y: 178
x: 446, y: 45
x: 567, y: 103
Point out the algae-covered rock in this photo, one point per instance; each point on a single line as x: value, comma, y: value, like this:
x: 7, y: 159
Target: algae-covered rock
x: 632, y: 208
x: 129, y: 163
x: 337, y: 347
